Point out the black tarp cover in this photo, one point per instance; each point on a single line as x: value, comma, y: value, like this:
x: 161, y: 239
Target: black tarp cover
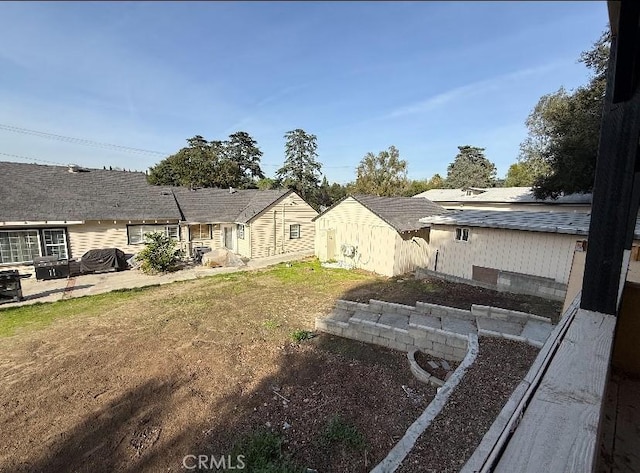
x: 103, y: 260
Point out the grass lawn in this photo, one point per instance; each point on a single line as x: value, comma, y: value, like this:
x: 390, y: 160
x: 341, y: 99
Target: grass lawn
x: 135, y: 380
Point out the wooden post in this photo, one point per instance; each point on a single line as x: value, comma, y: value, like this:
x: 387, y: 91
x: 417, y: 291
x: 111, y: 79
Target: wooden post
x: 615, y: 204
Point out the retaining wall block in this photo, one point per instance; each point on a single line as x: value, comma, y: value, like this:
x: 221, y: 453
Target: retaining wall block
x: 480, y: 310
x: 406, y: 339
x: 425, y: 320
x: 442, y: 349
x: 423, y: 308
x: 456, y: 343
x: 423, y: 344
x: 346, y: 305
x: 458, y: 354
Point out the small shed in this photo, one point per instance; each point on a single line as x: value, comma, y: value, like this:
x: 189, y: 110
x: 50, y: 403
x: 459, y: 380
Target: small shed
x: 379, y: 234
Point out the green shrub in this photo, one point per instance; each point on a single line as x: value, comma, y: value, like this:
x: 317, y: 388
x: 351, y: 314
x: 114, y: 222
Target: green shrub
x: 300, y: 335
x: 159, y: 254
x: 263, y: 453
x: 339, y: 431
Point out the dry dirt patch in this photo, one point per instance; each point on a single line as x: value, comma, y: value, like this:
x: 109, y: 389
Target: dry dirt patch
x: 133, y: 381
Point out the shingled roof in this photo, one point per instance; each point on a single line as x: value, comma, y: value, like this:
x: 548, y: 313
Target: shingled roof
x: 34, y: 192
x: 402, y: 213
x: 501, y: 195
x: 221, y: 205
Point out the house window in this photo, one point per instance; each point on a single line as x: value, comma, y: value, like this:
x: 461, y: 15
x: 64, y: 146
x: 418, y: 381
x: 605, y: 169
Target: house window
x: 241, y: 231
x: 136, y: 233
x: 294, y: 231
x: 55, y: 242
x: 200, y: 232
x: 462, y: 234
x: 19, y: 246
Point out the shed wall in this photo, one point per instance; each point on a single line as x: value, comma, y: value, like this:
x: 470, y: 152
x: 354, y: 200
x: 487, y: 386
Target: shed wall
x: 355, y: 225
x: 546, y: 255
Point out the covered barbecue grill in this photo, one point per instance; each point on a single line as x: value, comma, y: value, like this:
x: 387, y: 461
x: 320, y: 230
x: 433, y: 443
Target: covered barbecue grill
x: 107, y: 259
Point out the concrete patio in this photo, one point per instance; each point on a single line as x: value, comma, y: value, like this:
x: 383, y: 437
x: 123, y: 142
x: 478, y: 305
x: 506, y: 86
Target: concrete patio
x: 54, y: 290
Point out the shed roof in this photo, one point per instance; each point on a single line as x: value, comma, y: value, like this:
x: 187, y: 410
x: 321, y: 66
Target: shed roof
x: 520, y: 195
x: 572, y: 223
x: 221, y: 205
x: 402, y: 213
x: 35, y: 192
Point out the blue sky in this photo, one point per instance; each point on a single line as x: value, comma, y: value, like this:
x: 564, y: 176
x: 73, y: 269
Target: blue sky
x: 422, y: 76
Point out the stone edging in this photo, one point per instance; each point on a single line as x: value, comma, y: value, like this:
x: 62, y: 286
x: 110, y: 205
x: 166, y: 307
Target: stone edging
x: 421, y: 374
x: 398, y: 453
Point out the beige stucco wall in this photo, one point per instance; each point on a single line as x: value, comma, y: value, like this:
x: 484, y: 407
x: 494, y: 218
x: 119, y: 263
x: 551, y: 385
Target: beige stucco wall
x: 547, y: 255
x: 525, y: 207
x: 380, y: 248
x: 270, y: 230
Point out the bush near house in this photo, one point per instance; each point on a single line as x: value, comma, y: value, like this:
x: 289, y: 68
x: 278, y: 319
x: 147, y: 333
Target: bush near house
x: 159, y: 254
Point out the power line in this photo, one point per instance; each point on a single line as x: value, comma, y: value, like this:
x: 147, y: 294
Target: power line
x: 79, y: 141
x: 111, y: 146
x: 32, y: 159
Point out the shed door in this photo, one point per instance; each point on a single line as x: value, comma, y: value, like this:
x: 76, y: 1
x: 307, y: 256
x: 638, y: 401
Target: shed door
x: 331, y: 244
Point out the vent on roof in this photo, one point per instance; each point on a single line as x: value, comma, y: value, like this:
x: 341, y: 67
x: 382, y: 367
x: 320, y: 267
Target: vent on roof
x: 76, y: 168
x: 232, y: 190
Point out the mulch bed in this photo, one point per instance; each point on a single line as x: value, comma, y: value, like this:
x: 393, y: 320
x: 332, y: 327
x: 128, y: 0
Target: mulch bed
x: 408, y: 290
x: 369, y: 387
x: 473, y: 406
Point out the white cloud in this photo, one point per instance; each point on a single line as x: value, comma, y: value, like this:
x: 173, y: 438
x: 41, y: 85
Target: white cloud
x: 469, y: 90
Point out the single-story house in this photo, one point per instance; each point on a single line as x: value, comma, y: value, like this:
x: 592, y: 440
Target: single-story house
x: 379, y: 234
x: 505, y: 198
x: 55, y: 210
x: 517, y: 251
x: 252, y: 223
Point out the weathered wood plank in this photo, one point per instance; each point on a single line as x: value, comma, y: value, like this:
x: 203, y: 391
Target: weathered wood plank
x: 558, y: 431
x: 491, y: 446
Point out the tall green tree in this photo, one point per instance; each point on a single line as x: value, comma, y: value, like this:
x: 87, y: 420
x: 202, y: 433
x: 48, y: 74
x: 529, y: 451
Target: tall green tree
x: 203, y: 163
x: 564, y: 130
x: 384, y: 174
x: 419, y: 186
x: 301, y: 169
x: 242, y: 150
x: 470, y: 168
x: 328, y: 194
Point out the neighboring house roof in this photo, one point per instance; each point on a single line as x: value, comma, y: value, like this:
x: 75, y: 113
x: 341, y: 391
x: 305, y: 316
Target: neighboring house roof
x: 402, y: 213
x: 220, y: 205
x: 515, y: 195
x: 549, y: 222
x: 35, y: 192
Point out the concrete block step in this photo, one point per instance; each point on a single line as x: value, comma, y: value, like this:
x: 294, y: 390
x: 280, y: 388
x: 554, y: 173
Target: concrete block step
x: 425, y: 320
x: 457, y: 325
x: 342, y: 315
x: 501, y: 326
x: 395, y: 320
x: 360, y: 315
x: 537, y: 330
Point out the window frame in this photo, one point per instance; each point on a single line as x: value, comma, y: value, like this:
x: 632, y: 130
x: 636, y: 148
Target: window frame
x: 460, y: 234
x: 299, y: 231
x: 38, y: 246
x: 64, y: 245
x: 160, y: 227
x: 240, y: 231
x: 209, y: 232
